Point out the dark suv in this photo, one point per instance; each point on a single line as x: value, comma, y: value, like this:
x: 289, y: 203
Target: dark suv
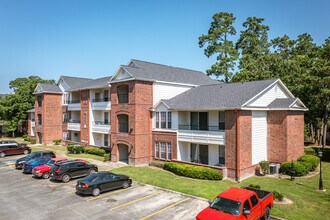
x: 19, y: 162
x: 12, y: 147
x: 72, y: 169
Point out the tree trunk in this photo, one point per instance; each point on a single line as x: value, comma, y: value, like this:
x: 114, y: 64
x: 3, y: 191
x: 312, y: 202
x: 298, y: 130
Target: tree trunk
x: 312, y: 133
x: 13, y: 134
x: 325, y: 123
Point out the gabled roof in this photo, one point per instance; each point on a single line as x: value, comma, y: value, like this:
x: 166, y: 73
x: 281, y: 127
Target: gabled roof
x: 93, y: 84
x: 218, y: 96
x: 74, y: 82
x: 147, y: 71
x: 286, y: 103
x: 47, y: 88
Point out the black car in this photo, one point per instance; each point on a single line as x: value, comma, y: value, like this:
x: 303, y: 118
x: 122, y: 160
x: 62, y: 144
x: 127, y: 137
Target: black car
x: 19, y: 162
x: 72, y: 169
x: 96, y: 183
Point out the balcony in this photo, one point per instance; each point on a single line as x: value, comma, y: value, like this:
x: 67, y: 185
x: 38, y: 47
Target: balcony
x: 102, y: 127
x: 101, y: 104
x: 201, y: 134
x: 73, y: 125
x: 74, y: 105
x: 33, y: 122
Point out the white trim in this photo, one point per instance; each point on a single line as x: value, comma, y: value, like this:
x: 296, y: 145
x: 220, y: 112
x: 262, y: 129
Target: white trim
x: 165, y: 130
x: 61, y: 77
x: 299, y: 101
x: 271, y: 109
x: 117, y: 72
x: 175, y: 83
x: 158, y: 103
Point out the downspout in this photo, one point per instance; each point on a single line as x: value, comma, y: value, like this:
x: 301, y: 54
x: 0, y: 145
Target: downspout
x: 238, y: 147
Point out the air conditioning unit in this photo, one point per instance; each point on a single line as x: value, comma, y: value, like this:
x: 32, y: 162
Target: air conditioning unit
x: 274, y: 168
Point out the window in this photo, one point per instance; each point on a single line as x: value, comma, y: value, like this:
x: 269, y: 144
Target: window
x: 65, y: 117
x: 193, y: 153
x: 157, y: 119
x: 106, y: 118
x: 39, y: 119
x: 39, y: 100
x: 222, y: 154
x: 97, y: 97
x: 222, y: 121
x: 254, y: 200
x: 106, y: 95
x: 163, y: 150
x: 246, y: 206
x: 163, y: 119
x: 122, y: 92
x: 106, y: 140
x: 65, y: 98
x: 123, y: 123
x: 169, y: 119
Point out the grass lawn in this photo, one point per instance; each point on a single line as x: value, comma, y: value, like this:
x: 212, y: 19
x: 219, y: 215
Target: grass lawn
x: 86, y: 156
x: 308, y: 203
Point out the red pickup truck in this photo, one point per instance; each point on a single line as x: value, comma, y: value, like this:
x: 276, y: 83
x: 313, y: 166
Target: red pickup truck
x: 44, y: 170
x: 239, y: 203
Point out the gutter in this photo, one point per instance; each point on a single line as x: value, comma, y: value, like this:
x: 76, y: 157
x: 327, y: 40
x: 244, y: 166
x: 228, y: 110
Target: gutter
x: 238, y: 147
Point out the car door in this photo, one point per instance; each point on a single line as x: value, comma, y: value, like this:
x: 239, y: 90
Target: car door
x: 13, y: 149
x: 82, y: 169
x: 255, y: 207
x: 105, y: 182
x: 73, y: 169
x: 37, y: 154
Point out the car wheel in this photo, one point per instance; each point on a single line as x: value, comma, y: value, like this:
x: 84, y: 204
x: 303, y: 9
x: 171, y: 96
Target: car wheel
x: 96, y: 192
x: 2, y: 154
x: 45, y: 175
x: 25, y: 152
x: 267, y: 214
x: 65, y: 178
x: 91, y: 171
x: 125, y: 184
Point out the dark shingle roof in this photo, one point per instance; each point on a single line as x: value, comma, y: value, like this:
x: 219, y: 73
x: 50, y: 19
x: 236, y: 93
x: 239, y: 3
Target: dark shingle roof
x: 31, y: 110
x: 47, y: 88
x: 143, y: 70
x: 218, y: 96
x: 95, y: 83
x: 282, y: 103
x: 74, y: 82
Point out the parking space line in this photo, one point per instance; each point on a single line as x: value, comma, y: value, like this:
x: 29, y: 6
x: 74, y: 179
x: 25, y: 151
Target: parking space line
x: 136, y: 200
x: 110, y: 193
x: 163, y: 209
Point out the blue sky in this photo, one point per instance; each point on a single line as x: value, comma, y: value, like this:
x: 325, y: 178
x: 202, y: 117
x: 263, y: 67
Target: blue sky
x: 92, y: 38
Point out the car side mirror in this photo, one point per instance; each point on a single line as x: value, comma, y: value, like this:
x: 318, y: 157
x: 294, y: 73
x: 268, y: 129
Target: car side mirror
x: 246, y: 212
x: 210, y: 201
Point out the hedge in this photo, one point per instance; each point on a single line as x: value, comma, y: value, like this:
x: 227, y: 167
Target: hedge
x: 196, y: 172
x: 95, y: 151
x: 309, y: 151
x: 31, y: 140
x: 157, y: 163
x: 299, y: 168
x: 75, y: 149
x: 310, y: 161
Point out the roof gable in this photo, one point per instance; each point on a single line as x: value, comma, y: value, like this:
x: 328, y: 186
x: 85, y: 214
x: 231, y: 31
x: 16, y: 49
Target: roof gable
x: 120, y: 75
x: 47, y: 88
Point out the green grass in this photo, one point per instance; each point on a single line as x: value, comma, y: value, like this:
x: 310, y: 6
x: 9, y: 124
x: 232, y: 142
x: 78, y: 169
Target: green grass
x: 308, y: 203
x: 86, y: 156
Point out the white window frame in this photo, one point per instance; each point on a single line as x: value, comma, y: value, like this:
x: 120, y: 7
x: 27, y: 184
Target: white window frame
x: 163, y: 118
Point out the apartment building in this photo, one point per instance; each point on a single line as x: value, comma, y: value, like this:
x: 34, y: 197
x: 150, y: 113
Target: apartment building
x: 160, y: 112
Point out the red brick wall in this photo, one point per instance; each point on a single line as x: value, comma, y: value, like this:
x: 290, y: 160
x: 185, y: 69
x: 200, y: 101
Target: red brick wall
x: 285, y: 135
x: 230, y: 146
x: 84, y: 117
x: 139, y: 137
x: 162, y: 136
x: 52, y: 117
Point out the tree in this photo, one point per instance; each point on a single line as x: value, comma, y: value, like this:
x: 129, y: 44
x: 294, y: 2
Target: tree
x: 218, y: 42
x: 14, y: 106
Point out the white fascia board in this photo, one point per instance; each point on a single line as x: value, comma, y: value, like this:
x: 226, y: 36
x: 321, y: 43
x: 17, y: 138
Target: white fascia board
x: 61, y: 77
x: 175, y: 83
x: 273, y: 109
x: 117, y: 72
x: 299, y: 101
x: 158, y: 103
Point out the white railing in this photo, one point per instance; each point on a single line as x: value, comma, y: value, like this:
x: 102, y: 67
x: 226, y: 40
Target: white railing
x: 74, y: 126
x: 101, y: 106
x: 74, y: 107
x: 202, y: 137
x: 101, y: 128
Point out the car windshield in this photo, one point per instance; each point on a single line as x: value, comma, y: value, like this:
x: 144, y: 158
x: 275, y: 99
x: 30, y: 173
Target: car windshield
x: 50, y: 162
x: 91, y: 178
x: 226, y: 206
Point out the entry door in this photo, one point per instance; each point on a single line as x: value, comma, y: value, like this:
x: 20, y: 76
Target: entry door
x: 40, y: 137
x: 123, y: 153
x: 204, y: 154
x: 259, y: 136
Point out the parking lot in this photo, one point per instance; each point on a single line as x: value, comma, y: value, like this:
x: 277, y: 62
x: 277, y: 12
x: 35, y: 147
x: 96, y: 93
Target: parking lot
x: 24, y: 197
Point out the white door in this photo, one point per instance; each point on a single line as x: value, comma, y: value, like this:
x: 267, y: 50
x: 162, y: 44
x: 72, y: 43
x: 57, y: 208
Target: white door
x: 259, y: 136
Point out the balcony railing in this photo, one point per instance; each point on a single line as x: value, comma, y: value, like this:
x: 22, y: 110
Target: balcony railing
x: 101, y: 122
x: 202, y: 127
x: 74, y: 101
x: 74, y: 121
x: 101, y: 100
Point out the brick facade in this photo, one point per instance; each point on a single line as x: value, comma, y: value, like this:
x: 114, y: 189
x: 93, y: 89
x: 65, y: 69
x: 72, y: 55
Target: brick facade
x: 84, y: 117
x: 52, y: 114
x: 138, y: 138
x: 163, y: 136
x: 285, y: 135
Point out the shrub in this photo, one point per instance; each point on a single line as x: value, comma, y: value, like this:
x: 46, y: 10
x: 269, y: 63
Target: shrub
x: 264, y: 166
x: 33, y: 140
x: 298, y: 168
x: 106, y: 157
x: 157, y: 163
x: 24, y: 136
x: 95, y: 151
x: 57, y: 141
x: 255, y: 186
x: 73, y: 149
x: 313, y: 160
x: 277, y: 195
x: 309, y: 151
x: 196, y: 172
x: 308, y: 165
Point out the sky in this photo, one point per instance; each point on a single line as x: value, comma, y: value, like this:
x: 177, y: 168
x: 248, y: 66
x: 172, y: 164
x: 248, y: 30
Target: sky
x: 92, y: 38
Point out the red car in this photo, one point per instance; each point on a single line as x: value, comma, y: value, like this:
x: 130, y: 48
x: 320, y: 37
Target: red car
x: 239, y: 203
x: 44, y: 170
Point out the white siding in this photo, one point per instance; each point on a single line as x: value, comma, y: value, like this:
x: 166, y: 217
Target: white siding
x: 167, y: 91
x: 62, y: 85
x: 183, y: 151
x: 263, y: 100
x: 213, y: 154
x: 184, y: 118
x: 259, y: 136
x: 213, y: 119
